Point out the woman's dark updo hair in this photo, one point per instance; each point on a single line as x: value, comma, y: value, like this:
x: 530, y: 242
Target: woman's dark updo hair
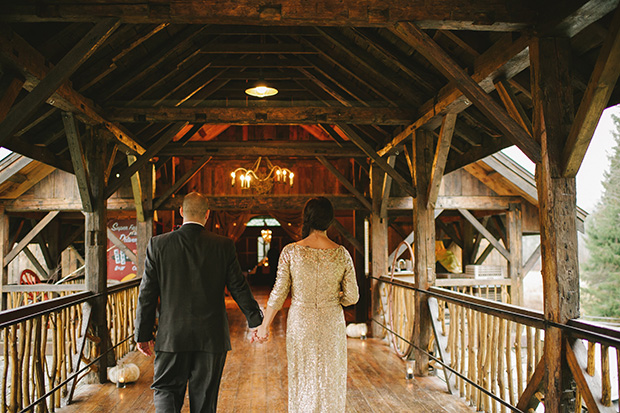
x: 318, y: 214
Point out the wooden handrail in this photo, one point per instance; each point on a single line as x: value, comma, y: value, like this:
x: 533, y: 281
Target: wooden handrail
x: 20, y: 314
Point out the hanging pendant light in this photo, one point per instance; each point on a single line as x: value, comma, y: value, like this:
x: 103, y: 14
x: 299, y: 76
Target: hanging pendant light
x: 261, y: 89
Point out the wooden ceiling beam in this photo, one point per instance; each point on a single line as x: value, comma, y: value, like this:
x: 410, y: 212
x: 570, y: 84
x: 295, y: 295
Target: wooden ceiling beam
x: 217, y: 203
x: 152, y: 150
x: 263, y: 115
x: 512, y: 105
x: 505, y: 16
x: 444, y: 63
x: 595, y: 99
x: 440, y: 158
x: 21, y: 112
x: 257, y: 48
x: 78, y: 159
x: 344, y: 181
x: 34, y: 66
x: 381, y: 163
x: 263, y: 148
x: 506, y: 56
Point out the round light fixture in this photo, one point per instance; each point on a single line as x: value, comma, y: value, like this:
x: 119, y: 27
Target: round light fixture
x: 261, y: 90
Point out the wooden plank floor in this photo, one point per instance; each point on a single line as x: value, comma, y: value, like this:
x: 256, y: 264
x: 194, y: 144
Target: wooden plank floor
x: 255, y: 379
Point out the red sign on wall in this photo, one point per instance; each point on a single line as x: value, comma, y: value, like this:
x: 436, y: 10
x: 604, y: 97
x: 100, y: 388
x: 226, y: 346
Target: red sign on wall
x: 120, y: 268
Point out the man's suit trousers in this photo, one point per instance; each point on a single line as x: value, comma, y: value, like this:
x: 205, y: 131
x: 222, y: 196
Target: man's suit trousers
x: 172, y: 373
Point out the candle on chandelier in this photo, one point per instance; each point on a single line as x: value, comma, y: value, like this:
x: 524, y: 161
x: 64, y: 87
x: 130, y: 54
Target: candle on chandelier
x: 233, y: 176
x: 278, y: 175
x: 291, y: 175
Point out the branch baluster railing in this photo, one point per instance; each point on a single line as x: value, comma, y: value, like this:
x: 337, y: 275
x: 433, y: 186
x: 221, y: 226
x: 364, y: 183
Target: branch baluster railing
x: 42, y: 343
x: 492, y: 351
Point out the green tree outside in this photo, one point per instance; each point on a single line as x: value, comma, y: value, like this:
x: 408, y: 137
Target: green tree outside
x: 601, y: 275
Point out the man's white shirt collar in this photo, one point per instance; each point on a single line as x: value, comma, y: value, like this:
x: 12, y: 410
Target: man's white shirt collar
x: 193, y: 222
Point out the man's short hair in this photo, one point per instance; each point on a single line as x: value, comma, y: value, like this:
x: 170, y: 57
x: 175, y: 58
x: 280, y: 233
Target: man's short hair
x: 195, y: 204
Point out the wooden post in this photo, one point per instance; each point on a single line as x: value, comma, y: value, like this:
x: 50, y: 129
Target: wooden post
x: 423, y: 245
x: 468, y: 243
x: 4, y: 250
x: 96, y: 244
x: 552, y: 115
x: 361, y: 308
x: 378, y: 246
x: 145, y: 228
x: 515, y: 246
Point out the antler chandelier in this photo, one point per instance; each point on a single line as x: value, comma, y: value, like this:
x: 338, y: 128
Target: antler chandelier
x: 262, y: 179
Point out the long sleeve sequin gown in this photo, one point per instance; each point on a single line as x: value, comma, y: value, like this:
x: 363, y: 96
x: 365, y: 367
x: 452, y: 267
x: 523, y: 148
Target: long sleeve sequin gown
x: 321, y: 282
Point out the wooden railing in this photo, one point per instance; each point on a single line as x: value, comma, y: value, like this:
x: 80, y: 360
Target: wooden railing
x: 45, y: 343
x: 491, y: 352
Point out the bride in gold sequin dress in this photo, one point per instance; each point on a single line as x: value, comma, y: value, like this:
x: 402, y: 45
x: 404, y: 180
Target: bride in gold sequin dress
x: 320, y: 276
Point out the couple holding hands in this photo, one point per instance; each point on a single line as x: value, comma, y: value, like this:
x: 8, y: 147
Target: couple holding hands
x: 187, y: 271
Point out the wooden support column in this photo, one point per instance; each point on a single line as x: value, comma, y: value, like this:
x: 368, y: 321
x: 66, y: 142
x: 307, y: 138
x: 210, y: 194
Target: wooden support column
x: 96, y: 242
x: 552, y: 117
x: 468, y: 243
x: 515, y: 247
x: 5, y: 246
x: 423, y: 245
x: 359, y: 215
x: 378, y: 247
x: 145, y: 227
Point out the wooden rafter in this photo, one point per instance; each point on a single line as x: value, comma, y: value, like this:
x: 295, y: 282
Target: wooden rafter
x: 59, y: 74
x: 512, y: 104
x: 441, y: 156
x: 348, y: 236
x: 9, y: 88
x: 144, y: 158
x: 382, y: 163
x: 388, y: 78
x: 79, y: 162
x: 509, y: 56
x: 344, y: 181
x: 35, y: 67
x: 182, y: 181
x: 415, y: 37
x: 595, y: 99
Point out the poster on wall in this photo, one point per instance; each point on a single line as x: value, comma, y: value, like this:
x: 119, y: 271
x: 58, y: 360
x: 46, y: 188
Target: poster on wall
x: 120, y: 267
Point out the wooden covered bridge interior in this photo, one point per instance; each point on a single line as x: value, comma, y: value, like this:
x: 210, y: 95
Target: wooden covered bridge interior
x: 395, y: 110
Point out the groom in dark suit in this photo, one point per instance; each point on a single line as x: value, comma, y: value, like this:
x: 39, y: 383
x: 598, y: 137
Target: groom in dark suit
x: 187, y: 271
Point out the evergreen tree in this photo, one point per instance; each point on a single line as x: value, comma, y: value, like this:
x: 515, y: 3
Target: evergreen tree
x: 602, y: 270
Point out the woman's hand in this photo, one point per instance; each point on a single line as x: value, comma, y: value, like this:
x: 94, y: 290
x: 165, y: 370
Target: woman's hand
x: 261, y: 334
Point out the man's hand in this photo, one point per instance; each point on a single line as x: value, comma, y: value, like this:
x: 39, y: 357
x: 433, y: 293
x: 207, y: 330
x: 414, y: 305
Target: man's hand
x: 260, y: 335
x: 146, y: 347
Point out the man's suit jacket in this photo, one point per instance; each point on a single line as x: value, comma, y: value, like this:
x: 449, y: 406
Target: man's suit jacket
x: 188, y: 269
